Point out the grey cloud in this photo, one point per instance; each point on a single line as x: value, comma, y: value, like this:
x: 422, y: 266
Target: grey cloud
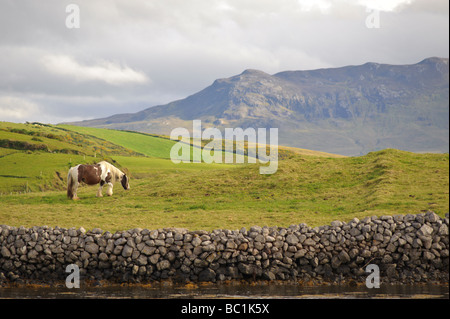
x: 129, y: 55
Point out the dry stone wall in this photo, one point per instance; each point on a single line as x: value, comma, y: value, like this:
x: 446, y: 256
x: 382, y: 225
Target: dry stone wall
x: 411, y: 248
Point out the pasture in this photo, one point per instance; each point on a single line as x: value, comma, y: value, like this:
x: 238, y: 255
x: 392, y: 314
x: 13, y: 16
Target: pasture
x: 314, y: 189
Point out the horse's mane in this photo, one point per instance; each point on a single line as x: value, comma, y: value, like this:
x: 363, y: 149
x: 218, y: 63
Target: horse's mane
x: 115, y: 172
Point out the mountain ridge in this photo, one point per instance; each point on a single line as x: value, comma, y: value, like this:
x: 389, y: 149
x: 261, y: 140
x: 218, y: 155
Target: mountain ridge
x: 349, y: 110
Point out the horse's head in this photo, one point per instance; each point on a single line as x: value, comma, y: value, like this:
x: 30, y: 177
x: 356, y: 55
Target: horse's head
x: 124, y: 182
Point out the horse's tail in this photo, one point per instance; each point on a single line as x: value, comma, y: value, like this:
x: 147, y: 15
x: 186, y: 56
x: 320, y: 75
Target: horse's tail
x: 70, y: 184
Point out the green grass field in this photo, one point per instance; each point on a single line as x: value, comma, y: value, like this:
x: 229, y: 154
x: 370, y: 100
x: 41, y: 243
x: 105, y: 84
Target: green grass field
x: 306, y: 188
x: 142, y: 143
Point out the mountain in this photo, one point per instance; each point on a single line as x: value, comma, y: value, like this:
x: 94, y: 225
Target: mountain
x: 349, y: 110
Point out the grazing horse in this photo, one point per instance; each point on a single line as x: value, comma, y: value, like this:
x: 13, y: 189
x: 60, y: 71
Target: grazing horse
x: 101, y: 173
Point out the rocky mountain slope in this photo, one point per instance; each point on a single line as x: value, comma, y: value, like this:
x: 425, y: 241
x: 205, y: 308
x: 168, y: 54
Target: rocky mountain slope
x: 350, y: 110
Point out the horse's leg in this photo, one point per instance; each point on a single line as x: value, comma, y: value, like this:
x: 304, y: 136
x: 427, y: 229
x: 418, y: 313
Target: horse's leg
x: 75, y: 188
x: 109, y: 189
x: 99, y: 192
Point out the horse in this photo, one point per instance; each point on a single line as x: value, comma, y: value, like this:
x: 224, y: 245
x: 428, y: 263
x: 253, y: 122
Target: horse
x: 101, y: 173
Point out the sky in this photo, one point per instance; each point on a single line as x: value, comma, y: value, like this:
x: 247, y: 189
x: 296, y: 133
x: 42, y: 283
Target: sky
x: 64, y: 61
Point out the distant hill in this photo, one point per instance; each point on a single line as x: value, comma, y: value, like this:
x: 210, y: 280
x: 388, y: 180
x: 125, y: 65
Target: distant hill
x: 350, y: 110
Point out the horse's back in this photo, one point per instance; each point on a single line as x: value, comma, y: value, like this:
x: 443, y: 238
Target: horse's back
x: 89, y: 174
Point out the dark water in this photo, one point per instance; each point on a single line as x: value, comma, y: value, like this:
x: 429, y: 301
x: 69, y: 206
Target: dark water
x: 241, y: 291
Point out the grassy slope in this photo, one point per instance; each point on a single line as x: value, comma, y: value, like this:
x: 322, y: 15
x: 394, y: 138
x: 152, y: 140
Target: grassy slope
x: 156, y: 146
x: 146, y: 144
x: 309, y: 189
x: 141, y: 143
x: 60, y: 140
x: 24, y: 170
x: 36, y: 171
x: 305, y: 189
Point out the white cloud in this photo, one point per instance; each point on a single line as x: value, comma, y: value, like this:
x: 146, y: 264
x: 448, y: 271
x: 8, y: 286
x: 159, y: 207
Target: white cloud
x: 326, y: 6
x: 105, y: 71
x: 323, y: 6
x: 16, y: 109
x: 384, y: 5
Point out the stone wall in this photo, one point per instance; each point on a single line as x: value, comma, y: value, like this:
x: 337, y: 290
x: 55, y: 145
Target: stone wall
x: 411, y: 248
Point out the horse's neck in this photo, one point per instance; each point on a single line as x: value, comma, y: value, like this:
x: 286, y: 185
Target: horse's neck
x: 115, y: 171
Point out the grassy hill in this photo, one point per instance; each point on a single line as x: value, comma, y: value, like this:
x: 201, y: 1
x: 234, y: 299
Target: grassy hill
x: 305, y: 189
x: 36, y: 157
x: 159, y: 146
x: 147, y: 144
x: 55, y: 139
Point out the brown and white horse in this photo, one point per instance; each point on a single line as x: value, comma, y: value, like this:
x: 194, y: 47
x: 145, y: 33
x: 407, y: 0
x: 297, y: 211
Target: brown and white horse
x: 101, y: 173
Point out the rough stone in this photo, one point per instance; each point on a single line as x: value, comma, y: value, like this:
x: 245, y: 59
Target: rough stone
x: 91, y: 248
x: 207, y: 275
x: 127, y: 251
x: 425, y: 230
x: 344, y: 257
x: 292, y: 239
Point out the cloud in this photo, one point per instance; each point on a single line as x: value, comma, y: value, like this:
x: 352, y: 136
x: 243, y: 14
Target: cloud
x: 384, y: 5
x: 130, y: 55
x: 105, y: 71
x: 309, y: 5
x: 17, y: 109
